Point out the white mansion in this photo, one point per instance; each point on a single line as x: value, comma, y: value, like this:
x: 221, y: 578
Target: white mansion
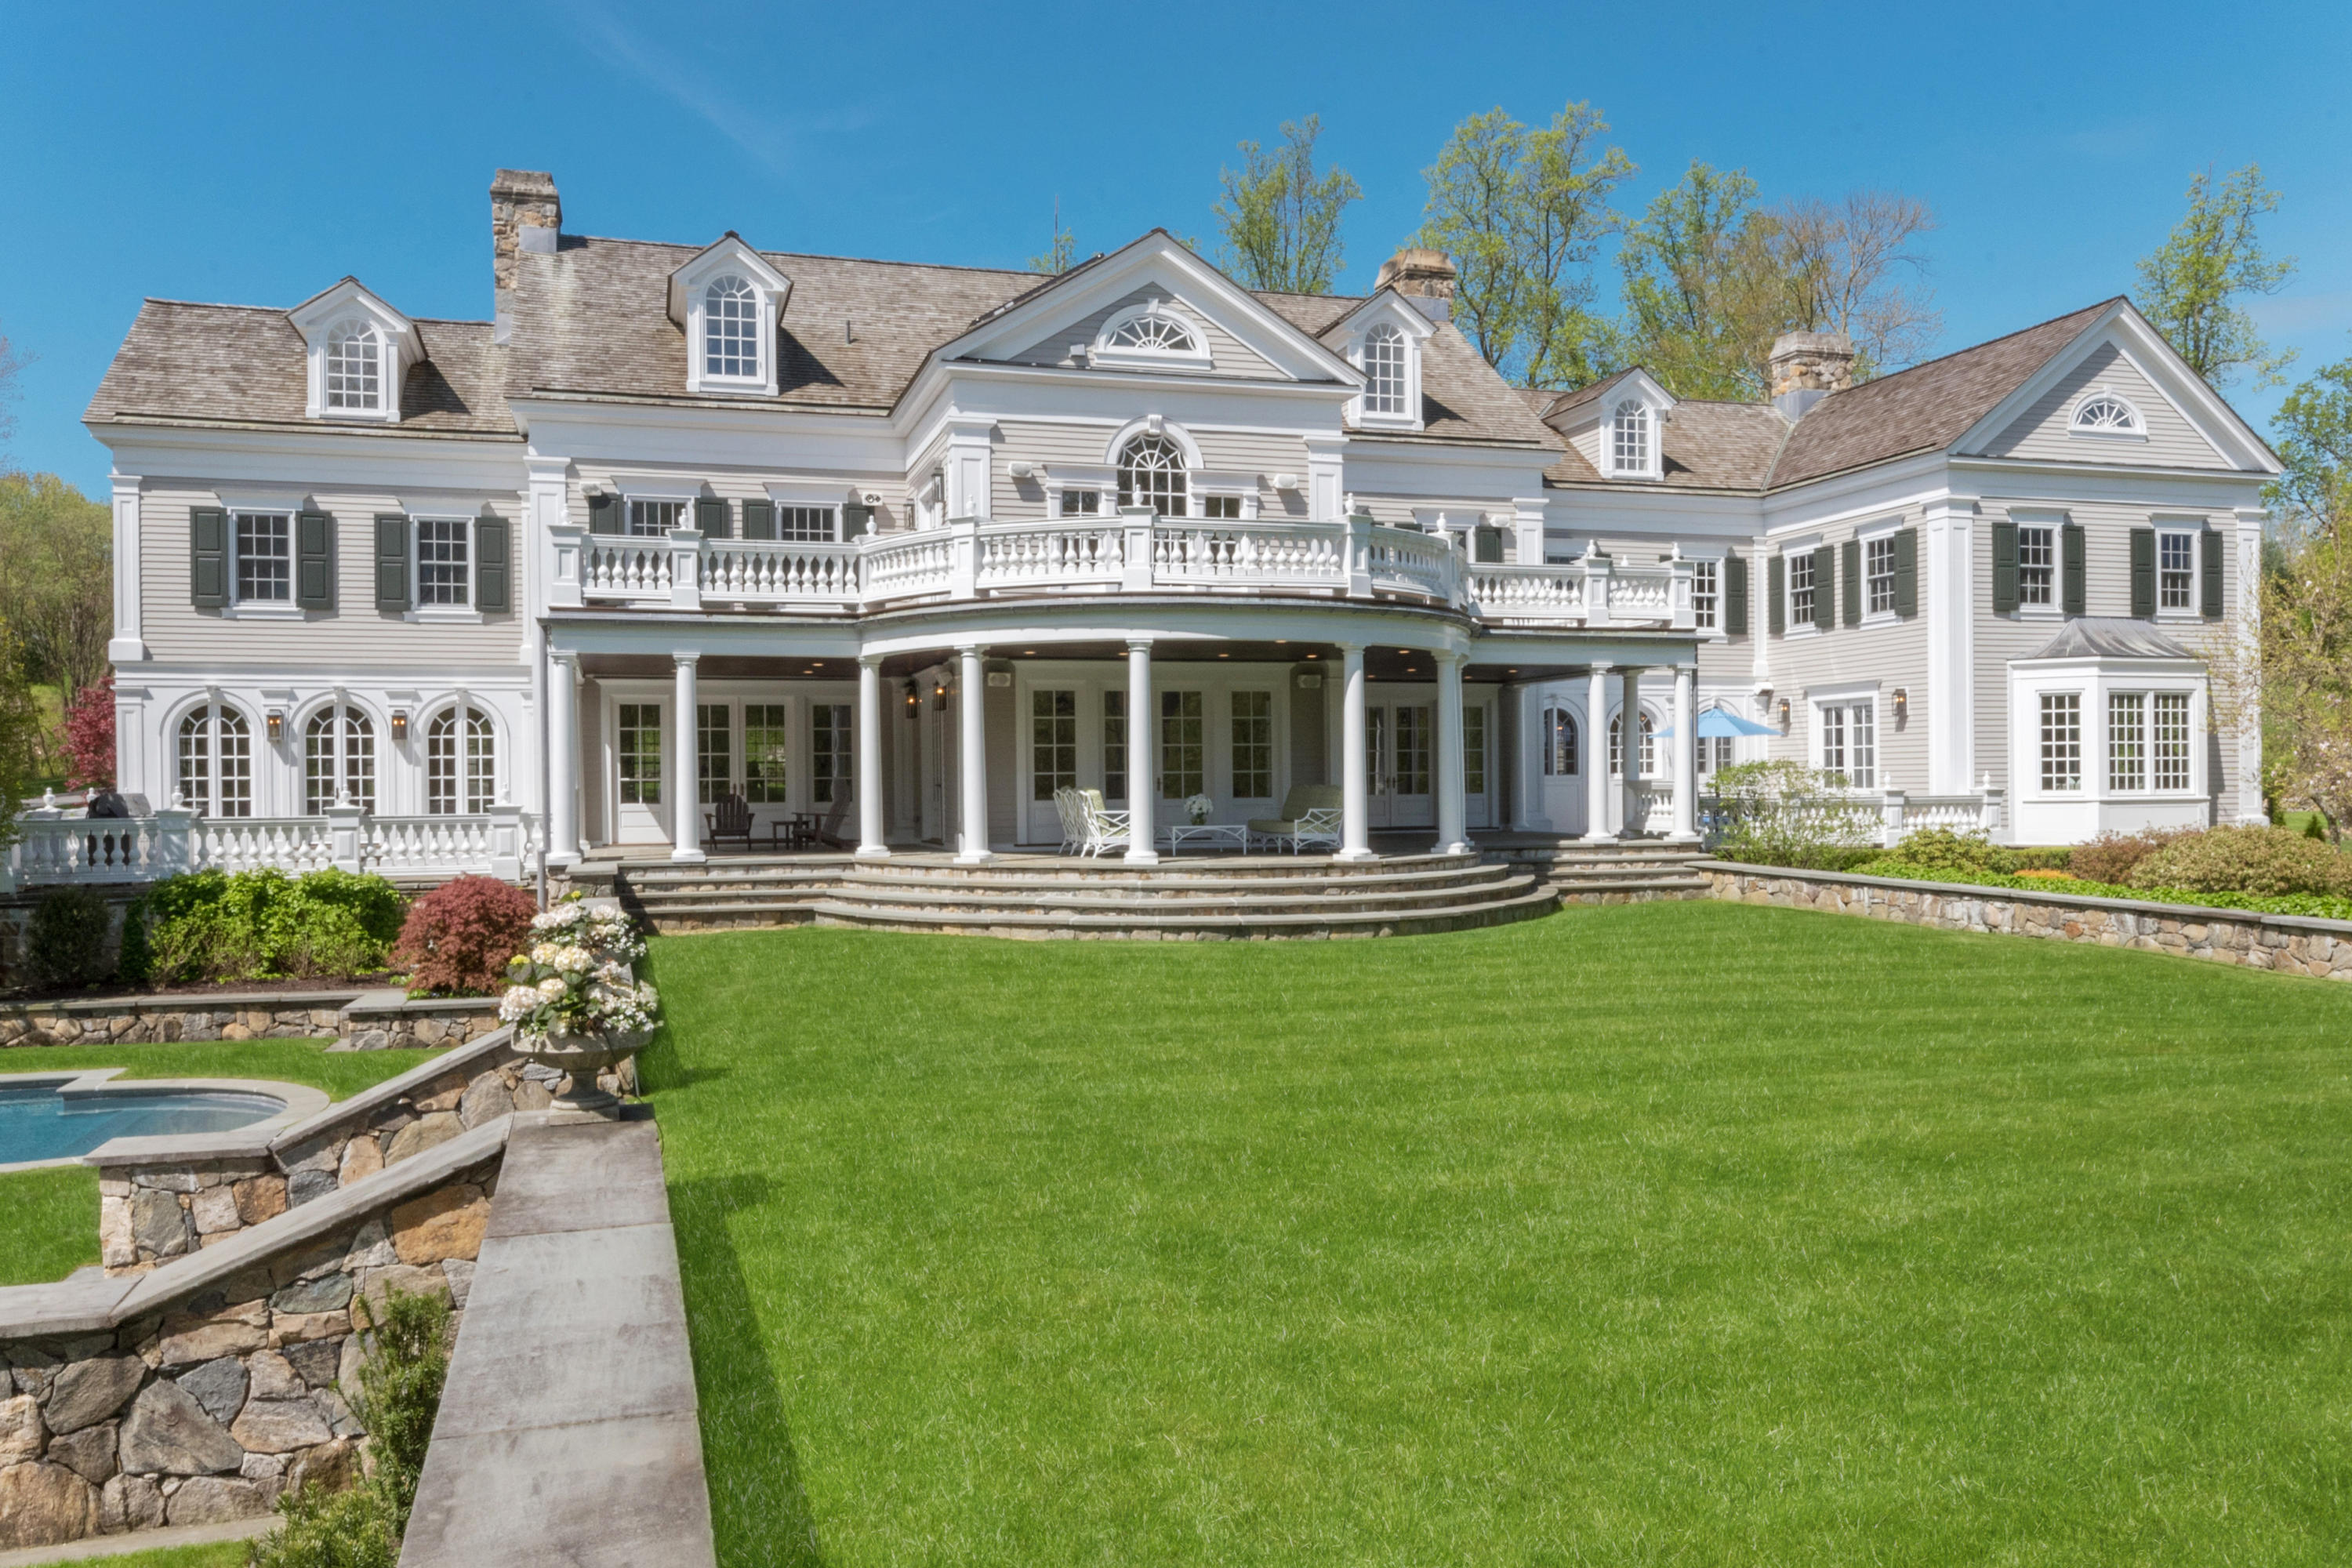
x: 906, y: 549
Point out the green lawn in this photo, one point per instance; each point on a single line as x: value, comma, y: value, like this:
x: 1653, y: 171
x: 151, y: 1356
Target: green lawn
x: 225, y: 1554
x: 48, y: 1220
x: 1670, y: 1234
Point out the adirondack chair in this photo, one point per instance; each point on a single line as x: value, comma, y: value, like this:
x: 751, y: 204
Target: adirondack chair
x: 730, y: 818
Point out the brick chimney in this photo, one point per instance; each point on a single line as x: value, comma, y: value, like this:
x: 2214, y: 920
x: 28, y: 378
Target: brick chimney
x: 1424, y: 276
x: 525, y: 214
x: 1807, y: 367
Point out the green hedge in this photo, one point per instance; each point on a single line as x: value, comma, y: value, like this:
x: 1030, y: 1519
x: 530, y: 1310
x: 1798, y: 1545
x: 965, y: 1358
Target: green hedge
x: 261, y: 925
x: 2313, y: 906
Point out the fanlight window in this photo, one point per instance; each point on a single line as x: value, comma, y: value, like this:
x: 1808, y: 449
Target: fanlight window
x: 338, y: 761
x: 1629, y: 437
x: 2106, y: 414
x: 1151, y: 473
x: 356, y: 367
x: 730, y: 329
x: 1384, y: 371
x: 1151, y: 333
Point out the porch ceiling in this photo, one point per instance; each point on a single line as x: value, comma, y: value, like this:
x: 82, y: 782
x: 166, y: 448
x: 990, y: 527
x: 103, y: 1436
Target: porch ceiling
x: 1380, y: 663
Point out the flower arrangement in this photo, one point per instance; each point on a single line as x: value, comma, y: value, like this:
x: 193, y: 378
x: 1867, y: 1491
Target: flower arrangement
x: 576, y: 979
x: 1198, y: 807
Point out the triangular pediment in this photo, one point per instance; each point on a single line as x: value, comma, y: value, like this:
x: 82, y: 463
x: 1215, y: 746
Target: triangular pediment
x: 728, y: 252
x: 344, y: 301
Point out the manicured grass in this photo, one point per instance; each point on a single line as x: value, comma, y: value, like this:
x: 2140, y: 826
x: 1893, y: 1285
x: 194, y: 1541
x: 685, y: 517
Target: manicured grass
x: 48, y: 1220
x: 1670, y: 1234
x: 225, y: 1554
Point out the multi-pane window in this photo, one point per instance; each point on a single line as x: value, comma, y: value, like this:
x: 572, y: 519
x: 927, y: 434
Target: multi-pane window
x: 2126, y: 740
x: 1081, y: 503
x: 1114, y: 744
x: 2037, y: 565
x: 1629, y: 437
x: 1254, y: 745
x: 1151, y: 473
x: 1714, y: 754
x: 1833, y: 740
x: 1411, y: 749
x: 1384, y: 371
x: 1557, y: 739
x: 1053, y: 743
x: 651, y: 519
x: 355, y: 368
x: 804, y: 524
x: 1221, y: 506
x: 2062, y: 741
x: 730, y: 329
x: 638, y: 743
x: 1801, y: 588
x: 1705, y: 593
x: 338, y: 759
x: 765, y: 777
x: 2175, y: 565
x: 265, y: 556
x: 1474, y: 750
x: 1878, y: 576
x: 829, y: 752
x: 714, y: 749
x: 1617, y: 747
x: 460, y: 764
x: 1183, y: 760
x: 2171, y: 725
x: 216, y: 763
x: 1154, y: 333
x: 441, y: 561
x: 1850, y: 743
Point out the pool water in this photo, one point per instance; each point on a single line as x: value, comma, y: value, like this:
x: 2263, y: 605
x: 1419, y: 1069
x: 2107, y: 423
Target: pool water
x: 36, y: 1122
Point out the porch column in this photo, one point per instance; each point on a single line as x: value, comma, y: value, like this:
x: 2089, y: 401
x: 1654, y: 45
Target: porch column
x: 1596, y: 752
x: 973, y: 760
x: 1629, y: 719
x: 562, y: 757
x: 1685, y: 755
x: 1452, y: 809
x: 1142, y: 787
x: 869, y: 758
x: 686, y: 805
x: 1355, y: 787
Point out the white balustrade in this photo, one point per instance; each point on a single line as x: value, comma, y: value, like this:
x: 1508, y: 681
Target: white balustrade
x: 1044, y: 555
x: 1639, y: 594
x: 1249, y: 555
x: 1528, y: 592
x: 902, y: 565
x: 290, y: 843
x: 394, y: 845
x: 87, y: 849
x: 1403, y: 560
x: 763, y: 572
x: 617, y: 568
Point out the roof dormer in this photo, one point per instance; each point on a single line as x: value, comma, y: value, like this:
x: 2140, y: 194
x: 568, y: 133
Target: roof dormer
x: 359, y: 350
x: 1383, y: 338
x: 1633, y: 414
x: 729, y: 300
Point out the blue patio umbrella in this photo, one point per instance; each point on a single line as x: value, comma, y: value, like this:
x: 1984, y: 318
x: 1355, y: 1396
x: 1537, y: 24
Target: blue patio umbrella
x: 1722, y: 724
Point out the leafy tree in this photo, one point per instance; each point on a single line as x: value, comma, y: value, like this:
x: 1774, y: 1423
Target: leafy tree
x: 2190, y: 286
x: 57, y: 579
x: 1063, y: 250
x: 1523, y: 214
x: 2313, y: 438
x: 20, y: 731
x: 1281, y: 220
x: 1703, y: 299
x: 87, y: 737
x: 12, y: 364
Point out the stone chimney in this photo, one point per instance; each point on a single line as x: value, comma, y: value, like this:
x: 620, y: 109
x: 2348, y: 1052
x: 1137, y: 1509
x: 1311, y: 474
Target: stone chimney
x: 1807, y: 367
x: 1424, y: 277
x: 525, y: 214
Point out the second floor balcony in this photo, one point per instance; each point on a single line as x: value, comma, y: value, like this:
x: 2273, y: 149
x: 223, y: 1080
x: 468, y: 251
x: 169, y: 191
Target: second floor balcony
x: 1135, y: 551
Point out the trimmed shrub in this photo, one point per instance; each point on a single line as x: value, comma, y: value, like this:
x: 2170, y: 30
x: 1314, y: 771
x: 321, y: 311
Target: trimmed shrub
x: 2044, y: 857
x: 2265, y: 861
x: 264, y: 925
x: 2110, y: 855
x: 1940, y: 847
x: 331, y: 922
x: 461, y: 936
x: 66, y: 943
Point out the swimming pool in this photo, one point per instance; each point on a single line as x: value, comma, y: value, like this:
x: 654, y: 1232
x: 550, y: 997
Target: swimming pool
x: 67, y: 1116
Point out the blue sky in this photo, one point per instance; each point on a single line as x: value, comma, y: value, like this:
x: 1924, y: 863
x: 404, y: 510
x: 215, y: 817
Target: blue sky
x: 254, y: 154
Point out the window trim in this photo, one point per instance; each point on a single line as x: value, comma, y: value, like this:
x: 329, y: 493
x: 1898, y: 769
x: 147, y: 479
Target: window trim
x: 2191, y: 613
x: 1790, y: 626
x: 2054, y: 524
x: 1881, y: 533
x: 240, y: 608
x: 763, y: 330
x: 420, y: 612
x: 689, y: 299
x: 1101, y: 351
x: 2137, y: 431
x: 460, y: 712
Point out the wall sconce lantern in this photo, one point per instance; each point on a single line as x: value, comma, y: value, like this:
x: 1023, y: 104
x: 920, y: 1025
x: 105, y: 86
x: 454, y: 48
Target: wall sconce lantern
x: 1902, y: 704
x: 1784, y: 715
x: 399, y: 725
x: 914, y: 698
x: 277, y: 725
x: 940, y: 696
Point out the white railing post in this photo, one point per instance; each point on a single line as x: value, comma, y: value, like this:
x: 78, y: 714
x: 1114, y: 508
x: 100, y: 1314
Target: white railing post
x: 507, y: 847
x: 964, y: 558
x: 1890, y: 812
x: 176, y: 849
x: 1993, y: 816
x: 1359, y: 555
x: 685, y: 569
x: 346, y: 836
x: 1596, y: 590
x: 1135, y: 525
x: 1684, y: 610
x: 570, y: 544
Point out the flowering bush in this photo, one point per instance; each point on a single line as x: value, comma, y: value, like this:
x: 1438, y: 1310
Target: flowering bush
x: 2259, y: 860
x: 576, y: 978
x: 460, y: 937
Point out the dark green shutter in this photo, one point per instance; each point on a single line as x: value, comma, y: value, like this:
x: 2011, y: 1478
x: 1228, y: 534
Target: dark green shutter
x: 1776, y: 598
x: 759, y: 520
x: 314, y: 562
x: 391, y: 561
x: 1906, y: 573
x: 2073, y: 593
x: 711, y: 519
x: 2208, y: 561
x: 493, y: 563
x: 1854, y: 582
x: 855, y: 519
x: 605, y: 513
x: 1487, y: 546
x: 1824, y: 587
x: 1735, y: 596
x: 209, y: 558
x: 2143, y: 573
x: 2004, y: 568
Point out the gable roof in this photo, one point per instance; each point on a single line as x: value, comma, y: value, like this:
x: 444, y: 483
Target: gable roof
x: 1701, y: 447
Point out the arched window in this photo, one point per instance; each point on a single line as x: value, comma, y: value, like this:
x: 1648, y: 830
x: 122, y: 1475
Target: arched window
x: 338, y: 759
x: 1150, y: 332
x: 1559, y: 741
x: 1151, y: 473
x: 1617, y: 748
x: 216, y: 763
x: 730, y: 329
x: 1629, y: 437
x: 1384, y: 371
x: 460, y: 764
x: 356, y: 367
x: 2104, y: 414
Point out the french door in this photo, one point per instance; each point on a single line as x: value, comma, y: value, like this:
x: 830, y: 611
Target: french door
x: 1400, y: 758
x: 641, y: 799
x: 1053, y: 740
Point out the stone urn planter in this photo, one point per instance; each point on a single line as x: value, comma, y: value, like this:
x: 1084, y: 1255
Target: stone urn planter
x: 582, y: 1057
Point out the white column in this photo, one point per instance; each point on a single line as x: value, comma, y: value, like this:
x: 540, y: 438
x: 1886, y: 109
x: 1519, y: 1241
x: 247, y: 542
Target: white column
x: 562, y: 758
x: 1948, y: 602
x: 1685, y: 754
x: 1355, y: 788
x: 685, y: 809
x: 869, y: 758
x: 1629, y: 737
x: 1143, y: 786
x: 127, y: 645
x: 1596, y: 753
x: 1452, y: 809
x: 973, y: 759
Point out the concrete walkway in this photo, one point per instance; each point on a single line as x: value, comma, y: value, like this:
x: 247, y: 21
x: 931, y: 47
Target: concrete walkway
x: 567, y: 1432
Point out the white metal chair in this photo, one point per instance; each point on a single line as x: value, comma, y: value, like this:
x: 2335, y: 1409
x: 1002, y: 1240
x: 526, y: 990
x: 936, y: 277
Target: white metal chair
x: 1071, y: 807
x: 1105, y: 829
x: 1310, y: 814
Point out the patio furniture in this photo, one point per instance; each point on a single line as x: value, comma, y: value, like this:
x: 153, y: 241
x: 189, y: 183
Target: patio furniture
x: 1071, y: 808
x: 1310, y: 814
x: 1103, y: 829
x: 731, y: 818
x: 1183, y: 833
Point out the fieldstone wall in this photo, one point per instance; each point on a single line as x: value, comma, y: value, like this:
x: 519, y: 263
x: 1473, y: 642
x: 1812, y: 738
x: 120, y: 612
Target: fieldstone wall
x: 2285, y: 944
x: 346, y: 1016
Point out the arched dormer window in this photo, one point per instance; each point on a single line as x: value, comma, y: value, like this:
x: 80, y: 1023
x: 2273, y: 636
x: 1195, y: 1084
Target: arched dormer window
x: 1155, y: 335
x: 730, y: 329
x: 2104, y: 414
x: 1384, y: 371
x: 1151, y: 473
x: 354, y: 368
x: 1629, y: 440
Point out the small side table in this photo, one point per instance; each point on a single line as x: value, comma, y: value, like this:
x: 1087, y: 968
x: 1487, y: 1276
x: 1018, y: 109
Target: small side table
x: 1207, y: 833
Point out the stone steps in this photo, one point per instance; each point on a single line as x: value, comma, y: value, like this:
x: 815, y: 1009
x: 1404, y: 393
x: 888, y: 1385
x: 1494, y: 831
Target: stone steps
x: 654, y: 895
x: 1199, y: 925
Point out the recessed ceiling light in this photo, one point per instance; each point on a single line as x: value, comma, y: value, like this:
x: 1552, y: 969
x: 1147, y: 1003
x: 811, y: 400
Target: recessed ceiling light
x: 1281, y: 642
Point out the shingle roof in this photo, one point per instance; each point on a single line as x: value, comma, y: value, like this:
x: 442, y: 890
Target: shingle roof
x: 1701, y: 445
x: 2099, y: 637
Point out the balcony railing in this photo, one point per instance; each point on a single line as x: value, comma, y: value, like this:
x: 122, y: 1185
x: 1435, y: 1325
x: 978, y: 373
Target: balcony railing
x: 53, y: 847
x: 1134, y: 552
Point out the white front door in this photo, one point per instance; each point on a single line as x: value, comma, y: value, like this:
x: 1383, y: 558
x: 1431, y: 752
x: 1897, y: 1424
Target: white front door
x: 642, y: 811
x: 1399, y: 755
x: 1560, y: 753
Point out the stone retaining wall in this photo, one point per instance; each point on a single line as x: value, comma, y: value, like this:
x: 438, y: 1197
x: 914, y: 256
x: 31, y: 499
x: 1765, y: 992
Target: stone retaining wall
x: 2287, y: 944
x: 360, y: 1020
